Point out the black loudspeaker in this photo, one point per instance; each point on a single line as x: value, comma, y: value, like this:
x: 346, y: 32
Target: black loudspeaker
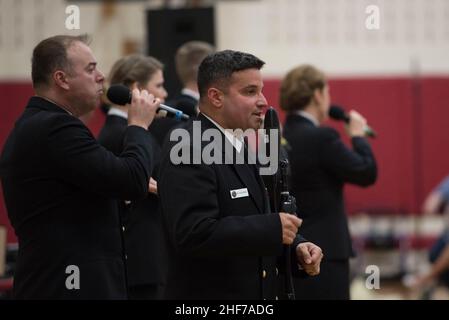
x: 168, y: 29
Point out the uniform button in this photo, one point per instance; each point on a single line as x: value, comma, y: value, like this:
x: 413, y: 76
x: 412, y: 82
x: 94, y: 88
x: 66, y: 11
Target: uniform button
x: 277, y: 271
x: 277, y: 298
x: 126, y: 257
x: 264, y: 274
x: 123, y: 228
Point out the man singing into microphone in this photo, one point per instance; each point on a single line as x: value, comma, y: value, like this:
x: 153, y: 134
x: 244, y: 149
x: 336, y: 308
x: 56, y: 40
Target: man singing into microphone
x: 59, y: 184
x: 320, y: 165
x: 223, y: 240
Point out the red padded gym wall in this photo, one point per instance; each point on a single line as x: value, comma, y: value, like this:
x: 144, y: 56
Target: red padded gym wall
x: 411, y: 118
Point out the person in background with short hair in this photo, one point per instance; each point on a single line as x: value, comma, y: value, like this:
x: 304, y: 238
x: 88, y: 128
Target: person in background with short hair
x: 188, y: 58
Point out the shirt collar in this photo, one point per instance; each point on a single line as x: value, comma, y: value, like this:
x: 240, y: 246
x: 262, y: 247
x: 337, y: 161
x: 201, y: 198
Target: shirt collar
x: 234, y: 140
x: 191, y: 93
x: 309, y: 117
x: 51, y: 101
x: 117, y: 112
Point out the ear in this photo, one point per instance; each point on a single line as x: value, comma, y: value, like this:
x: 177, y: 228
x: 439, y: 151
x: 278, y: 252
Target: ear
x: 60, y: 78
x: 318, y: 96
x: 216, y: 97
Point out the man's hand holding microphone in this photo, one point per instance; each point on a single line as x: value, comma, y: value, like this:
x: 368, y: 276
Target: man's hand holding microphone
x: 141, y: 113
x: 142, y: 108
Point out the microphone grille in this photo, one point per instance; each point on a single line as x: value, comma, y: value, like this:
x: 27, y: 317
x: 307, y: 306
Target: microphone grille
x: 119, y: 94
x: 337, y: 113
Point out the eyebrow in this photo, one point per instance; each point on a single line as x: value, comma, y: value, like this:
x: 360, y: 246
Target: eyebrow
x: 251, y: 86
x: 91, y: 64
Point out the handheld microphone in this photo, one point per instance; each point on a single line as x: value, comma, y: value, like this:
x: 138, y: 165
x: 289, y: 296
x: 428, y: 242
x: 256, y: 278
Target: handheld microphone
x: 121, y: 95
x: 338, y: 113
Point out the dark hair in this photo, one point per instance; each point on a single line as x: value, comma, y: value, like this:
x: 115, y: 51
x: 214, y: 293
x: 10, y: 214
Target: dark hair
x: 134, y: 68
x: 217, y: 68
x: 188, y: 58
x: 299, y: 85
x: 51, y: 55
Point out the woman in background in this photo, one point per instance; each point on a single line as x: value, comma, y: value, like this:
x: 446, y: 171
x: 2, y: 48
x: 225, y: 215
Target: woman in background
x: 141, y: 222
x: 320, y: 166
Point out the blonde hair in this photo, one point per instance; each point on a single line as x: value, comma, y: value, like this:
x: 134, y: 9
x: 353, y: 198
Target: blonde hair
x: 188, y: 58
x: 134, y: 68
x: 299, y: 85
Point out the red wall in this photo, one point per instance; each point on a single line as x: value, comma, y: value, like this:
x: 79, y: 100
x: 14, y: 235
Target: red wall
x: 410, y: 116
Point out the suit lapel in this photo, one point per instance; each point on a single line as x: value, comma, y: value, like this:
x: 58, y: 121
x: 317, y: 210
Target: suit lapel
x: 266, y: 204
x: 249, y: 180
x: 249, y: 175
x: 246, y: 172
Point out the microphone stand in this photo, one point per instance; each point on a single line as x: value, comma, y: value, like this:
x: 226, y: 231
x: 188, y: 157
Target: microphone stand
x: 288, y: 205
x: 277, y: 187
